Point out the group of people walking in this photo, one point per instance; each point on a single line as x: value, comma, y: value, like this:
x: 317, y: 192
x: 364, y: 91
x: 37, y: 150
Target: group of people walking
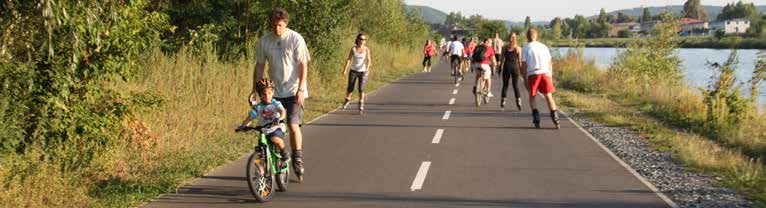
x: 533, y: 64
x: 282, y: 95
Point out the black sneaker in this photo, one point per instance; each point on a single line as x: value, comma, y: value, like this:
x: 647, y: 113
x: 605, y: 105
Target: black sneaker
x: 474, y: 90
x: 285, y: 158
x: 555, y: 118
x: 298, y: 164
x: 536, y: 118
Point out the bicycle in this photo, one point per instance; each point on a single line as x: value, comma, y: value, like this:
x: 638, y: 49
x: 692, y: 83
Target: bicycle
x: 263, y: 167
x: 457, y: 71
x: 481, y: 92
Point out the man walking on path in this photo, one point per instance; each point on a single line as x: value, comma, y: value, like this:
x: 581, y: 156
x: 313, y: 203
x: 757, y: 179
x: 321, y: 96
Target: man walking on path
x: 537, y: 69
x: 286, y: 52
x: 497, y: 45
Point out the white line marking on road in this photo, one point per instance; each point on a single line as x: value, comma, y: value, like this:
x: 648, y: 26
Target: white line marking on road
x: 446, y: 115
x: 417, y: 184
x: 452, y: 101
x: 438, y: 136
x: 454, y: 92
x: 457, y: 85
x: 625, y: 165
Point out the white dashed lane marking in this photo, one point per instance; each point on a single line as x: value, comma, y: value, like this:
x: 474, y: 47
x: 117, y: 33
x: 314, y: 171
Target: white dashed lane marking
x: 417, y: 184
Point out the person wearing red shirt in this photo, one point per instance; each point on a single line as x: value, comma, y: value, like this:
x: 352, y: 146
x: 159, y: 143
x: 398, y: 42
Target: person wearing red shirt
x: 428, y: 52
x: 484, y: 68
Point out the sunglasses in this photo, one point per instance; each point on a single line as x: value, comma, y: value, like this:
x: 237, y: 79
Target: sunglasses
x: 362, y: 38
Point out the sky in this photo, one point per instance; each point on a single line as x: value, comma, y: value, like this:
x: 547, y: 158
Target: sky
x: 546, y: 10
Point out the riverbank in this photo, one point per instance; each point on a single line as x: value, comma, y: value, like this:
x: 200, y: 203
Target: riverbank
x: 672, y: 120
x: 683, y: 42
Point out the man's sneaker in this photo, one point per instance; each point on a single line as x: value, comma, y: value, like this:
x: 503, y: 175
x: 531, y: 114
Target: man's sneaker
x: 518, y: 103
x: 555, y: 118
x: 490, y: 94
x: 345, y: 104
x: 536, y: 118
x: 474, y: 90
x: 298, y: 164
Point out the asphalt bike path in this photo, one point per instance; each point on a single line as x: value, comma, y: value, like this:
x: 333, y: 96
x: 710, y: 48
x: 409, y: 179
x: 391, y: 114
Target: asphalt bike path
x: 423, y: 143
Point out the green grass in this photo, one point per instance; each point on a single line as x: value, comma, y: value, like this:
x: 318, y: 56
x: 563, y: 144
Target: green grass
x: 671, y: 118
x: 190, y: 133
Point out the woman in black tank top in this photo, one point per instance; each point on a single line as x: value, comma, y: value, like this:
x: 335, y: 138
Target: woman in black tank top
x: 511, y: 64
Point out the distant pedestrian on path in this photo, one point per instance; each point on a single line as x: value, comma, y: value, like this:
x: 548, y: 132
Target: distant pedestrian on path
x: 288, y: 56
x: 428, y: 52
x: 537, y: 66
x: 360, y: 61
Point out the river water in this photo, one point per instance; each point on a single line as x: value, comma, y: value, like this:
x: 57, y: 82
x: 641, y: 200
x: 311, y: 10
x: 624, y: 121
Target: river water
x: 694, y: 62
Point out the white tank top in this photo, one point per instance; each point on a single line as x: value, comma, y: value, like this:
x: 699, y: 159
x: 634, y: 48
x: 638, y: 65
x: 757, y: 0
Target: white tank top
x: 358, y: 62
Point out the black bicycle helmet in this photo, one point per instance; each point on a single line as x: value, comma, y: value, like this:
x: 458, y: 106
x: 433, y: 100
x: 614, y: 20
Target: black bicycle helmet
x: 264, y: 84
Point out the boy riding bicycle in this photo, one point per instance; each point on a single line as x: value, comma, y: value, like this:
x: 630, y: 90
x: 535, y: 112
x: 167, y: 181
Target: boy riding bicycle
x: 269, y: 110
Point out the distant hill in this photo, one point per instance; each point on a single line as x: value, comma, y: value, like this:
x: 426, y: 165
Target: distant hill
x: 430, y: 15
x: 712, y: 11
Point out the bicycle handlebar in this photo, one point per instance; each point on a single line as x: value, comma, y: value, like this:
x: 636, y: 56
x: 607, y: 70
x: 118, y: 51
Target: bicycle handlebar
x: 257, y: 128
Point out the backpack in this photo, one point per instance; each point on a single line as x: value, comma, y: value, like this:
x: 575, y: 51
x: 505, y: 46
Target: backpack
x: 480, y: 54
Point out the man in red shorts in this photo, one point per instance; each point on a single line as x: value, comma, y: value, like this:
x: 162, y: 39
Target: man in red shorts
x: 537, y: 70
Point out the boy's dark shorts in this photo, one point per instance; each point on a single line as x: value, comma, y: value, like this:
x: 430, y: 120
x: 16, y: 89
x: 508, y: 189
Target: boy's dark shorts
x: 278, y: 133
x: 294, y: 111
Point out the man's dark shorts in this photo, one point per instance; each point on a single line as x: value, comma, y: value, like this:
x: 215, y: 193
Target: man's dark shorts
x: 294, y: 111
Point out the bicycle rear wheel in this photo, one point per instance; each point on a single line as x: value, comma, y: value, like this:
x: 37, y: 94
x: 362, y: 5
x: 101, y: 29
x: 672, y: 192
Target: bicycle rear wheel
x: 259, y: 177
x: 478, y: 93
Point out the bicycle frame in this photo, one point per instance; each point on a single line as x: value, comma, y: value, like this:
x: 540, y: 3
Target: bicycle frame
x: 271, y: 152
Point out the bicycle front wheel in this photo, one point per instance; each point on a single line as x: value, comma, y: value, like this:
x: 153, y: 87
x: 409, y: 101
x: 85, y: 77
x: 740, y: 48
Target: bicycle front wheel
x: 259, y: 177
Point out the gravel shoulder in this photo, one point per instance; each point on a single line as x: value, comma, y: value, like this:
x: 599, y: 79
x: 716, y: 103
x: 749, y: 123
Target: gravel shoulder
x: 684, y: 187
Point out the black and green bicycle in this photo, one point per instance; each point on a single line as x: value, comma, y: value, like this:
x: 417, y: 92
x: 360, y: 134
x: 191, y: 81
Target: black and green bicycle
x: 265, y: 167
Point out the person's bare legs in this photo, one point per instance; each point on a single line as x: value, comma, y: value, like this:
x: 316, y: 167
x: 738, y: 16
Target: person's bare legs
x: 551, y: 102
x: 296, y: 136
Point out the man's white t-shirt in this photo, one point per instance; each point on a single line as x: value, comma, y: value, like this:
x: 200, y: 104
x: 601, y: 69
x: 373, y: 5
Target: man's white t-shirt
x: 456, y: 48
x: 538, y: 58
x: 284, y: 55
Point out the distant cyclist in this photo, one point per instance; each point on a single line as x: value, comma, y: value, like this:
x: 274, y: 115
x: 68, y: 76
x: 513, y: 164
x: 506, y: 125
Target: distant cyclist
x: 428, y: 52
x: 468, y: 52
x: 483, y: 62
x: 537, y: 66
x: 360, y: 62
x: 510, y: 63
x: 456, y: 54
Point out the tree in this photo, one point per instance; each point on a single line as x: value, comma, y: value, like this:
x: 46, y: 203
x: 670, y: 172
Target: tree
x: 454, y: 18
x: 646, y: 16
x: 624, y: 18
x: 579, y: 26
x: 527, y: 22
x: 474, y: 21
x: 488, y: 28
x: 602, y: 16
x: 738, y: 10
x: 556, y: 28
x: 693, y: 9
